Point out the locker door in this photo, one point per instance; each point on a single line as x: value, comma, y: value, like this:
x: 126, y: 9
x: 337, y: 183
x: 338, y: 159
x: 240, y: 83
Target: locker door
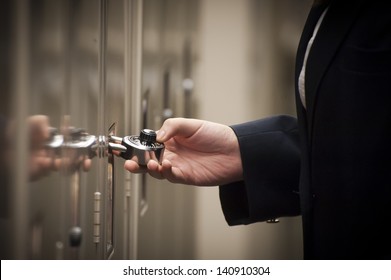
x: 39, y: 197
x: 74, y: 69
x: 76, y: 66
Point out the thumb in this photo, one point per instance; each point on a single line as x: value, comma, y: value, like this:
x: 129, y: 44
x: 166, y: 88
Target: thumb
x: 178, y: 127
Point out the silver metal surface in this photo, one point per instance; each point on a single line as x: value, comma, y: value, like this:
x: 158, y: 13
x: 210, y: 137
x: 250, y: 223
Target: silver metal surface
x: 142, y: 152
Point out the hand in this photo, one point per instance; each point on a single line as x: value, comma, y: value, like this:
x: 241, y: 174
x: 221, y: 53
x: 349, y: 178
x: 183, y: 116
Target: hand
x: 196, y: 153
x: 42, y: 160
x: 40, y: 163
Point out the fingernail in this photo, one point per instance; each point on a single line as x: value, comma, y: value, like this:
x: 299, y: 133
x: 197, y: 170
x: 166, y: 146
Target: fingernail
x: 160, y: 134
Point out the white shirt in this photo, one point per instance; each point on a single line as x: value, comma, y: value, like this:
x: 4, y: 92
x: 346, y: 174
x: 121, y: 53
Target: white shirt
x: 302, y: 72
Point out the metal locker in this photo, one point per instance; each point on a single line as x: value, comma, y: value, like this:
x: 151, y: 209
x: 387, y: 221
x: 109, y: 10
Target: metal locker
x: 71, y: 67
x: 73, y: 72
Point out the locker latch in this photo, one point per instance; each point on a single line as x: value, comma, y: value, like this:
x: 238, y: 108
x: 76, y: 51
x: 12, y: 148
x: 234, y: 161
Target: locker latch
x: 85, y: 144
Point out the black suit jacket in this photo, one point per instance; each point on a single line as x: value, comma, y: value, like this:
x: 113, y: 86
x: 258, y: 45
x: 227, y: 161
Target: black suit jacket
x: 332, y: 164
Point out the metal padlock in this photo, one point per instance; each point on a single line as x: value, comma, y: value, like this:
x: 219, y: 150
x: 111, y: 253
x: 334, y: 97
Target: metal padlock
x: 140, y: 148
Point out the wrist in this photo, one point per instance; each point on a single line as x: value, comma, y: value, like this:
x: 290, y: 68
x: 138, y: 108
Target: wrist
x: 234, y: 152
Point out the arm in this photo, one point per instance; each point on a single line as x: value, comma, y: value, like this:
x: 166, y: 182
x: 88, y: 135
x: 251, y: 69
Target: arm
x: 256, y: 163
x: 270, y: 157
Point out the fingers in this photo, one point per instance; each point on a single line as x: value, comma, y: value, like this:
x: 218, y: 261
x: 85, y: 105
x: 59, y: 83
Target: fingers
x: 40, y: 166
x: 153, y: 168
x: 162, y: 171
x: 39, y: 130
x: 178, y: 127
x: 167, y: 171
x: 87, y: 163
x: 133, y: 167
x: 156, y: 170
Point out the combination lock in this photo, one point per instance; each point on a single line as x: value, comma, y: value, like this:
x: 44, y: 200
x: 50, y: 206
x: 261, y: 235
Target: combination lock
x: 140, y: 148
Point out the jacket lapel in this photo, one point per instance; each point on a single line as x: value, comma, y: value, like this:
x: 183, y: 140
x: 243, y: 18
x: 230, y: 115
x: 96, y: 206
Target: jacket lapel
x: 333, y: 30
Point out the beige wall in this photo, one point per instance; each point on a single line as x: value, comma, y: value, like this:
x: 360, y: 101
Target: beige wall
x: 244, y: 72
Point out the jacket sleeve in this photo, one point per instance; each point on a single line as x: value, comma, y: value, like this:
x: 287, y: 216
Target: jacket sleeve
x: 271, y: 166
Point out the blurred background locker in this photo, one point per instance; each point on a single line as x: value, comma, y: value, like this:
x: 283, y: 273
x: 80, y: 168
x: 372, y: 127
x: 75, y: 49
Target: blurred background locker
x: 95, y: 68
